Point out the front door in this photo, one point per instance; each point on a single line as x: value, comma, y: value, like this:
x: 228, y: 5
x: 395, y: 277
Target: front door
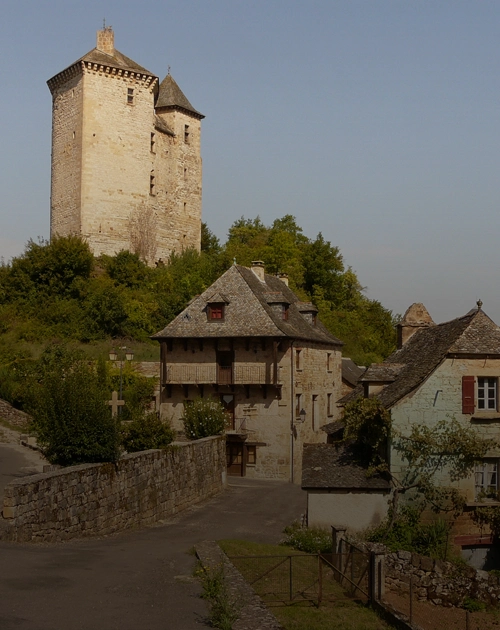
x: 235, y: 459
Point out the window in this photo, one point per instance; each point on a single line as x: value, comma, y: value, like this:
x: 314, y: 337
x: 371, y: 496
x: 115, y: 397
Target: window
x: 298, y: 359
x: 314, y: 418
x: 486, y: 480
x: 328, y: 361
x: 152, y: 184
x: 487, y: 393
x: 329, y: 405
x: 298, y: 404
x: 284, y: 312
x: 153, y: 142
x: 251, y: 454
x: 130, y: 96
x: 186, y: 134
x: 479, y: 394
x: 215, y: 312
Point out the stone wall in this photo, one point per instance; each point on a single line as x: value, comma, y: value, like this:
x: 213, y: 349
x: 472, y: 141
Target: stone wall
x: 98, y: 499
x: 438, y: 581
x: 13, y: 416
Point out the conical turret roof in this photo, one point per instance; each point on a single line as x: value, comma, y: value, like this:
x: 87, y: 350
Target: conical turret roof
x: 170, y: 95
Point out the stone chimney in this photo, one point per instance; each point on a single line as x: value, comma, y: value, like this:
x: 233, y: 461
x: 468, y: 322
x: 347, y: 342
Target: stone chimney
x: 106, y: 40
x: 258, y: 269
x: 416, y: 317
x: 283, y: 277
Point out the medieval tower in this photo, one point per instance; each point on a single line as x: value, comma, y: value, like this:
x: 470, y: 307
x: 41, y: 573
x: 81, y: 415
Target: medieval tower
x: 126, y: 163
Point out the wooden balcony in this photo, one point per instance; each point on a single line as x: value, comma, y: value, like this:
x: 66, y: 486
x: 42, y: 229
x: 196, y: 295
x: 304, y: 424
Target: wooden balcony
x: 213, y: 374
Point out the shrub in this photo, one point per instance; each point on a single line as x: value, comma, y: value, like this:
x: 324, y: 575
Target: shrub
x: 473, y: 605
x: 307, y: 539
x: 223, y: 609
x: 146, y: 432
x: 70, y: 412
x: 203, y: 418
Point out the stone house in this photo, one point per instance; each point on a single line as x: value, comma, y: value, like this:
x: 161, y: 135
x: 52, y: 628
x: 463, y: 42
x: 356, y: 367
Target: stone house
x: 439, y: 371
x: 126, y: 162
x: 249, y: 342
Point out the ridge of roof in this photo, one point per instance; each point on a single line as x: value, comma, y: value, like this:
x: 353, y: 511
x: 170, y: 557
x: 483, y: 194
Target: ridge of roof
x: 171, y: 96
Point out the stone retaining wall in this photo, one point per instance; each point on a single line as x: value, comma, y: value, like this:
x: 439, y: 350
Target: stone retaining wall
x: 97, y: 499
x: 13, y: 416
x: 438, y: 581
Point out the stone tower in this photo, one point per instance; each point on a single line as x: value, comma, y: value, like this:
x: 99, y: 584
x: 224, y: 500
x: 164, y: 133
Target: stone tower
x: 126, y: 162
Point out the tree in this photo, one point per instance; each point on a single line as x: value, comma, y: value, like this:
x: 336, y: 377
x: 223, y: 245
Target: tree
x: 71, y: 416
x: 432, y: 458
x: 146, y: 432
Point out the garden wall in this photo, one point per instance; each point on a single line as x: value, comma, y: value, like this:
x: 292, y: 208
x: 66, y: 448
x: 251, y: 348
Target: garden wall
x: 438, y: 581
x: 97, y: 499
x: 13, y: 415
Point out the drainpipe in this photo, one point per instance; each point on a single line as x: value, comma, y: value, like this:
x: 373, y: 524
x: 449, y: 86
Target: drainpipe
x: 292, y: 401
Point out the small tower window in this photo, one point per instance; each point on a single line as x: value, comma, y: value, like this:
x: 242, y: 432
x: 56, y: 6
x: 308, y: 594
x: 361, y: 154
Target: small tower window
x: 130, y: 96
x: 153, y: 143
x: 186, y: 134
x: 152, y: 184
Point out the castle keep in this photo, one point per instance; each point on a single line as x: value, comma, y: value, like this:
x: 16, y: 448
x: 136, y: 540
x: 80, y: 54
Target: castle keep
x: 126, y: 163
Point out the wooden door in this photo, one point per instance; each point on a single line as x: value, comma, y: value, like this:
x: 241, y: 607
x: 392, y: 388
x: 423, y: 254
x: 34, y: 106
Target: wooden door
x: 234, y: 459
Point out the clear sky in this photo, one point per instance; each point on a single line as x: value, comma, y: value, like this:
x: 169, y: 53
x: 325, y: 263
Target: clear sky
x: 376, y: 122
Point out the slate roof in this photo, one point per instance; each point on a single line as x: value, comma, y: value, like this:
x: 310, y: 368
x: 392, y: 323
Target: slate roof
x: 116, y: 60
x: 171, y: 96
x: 331, y: 466
x: 474, y: 334
x: 350, y: 371
x: 247, y: 312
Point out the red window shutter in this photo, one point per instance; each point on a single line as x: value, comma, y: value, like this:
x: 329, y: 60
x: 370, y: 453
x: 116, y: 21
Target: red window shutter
x: 467, y: 394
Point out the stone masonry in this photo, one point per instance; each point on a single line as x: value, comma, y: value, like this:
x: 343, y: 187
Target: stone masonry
x: 99, y: 499
x: 126, y: 163
x: 14, y: 416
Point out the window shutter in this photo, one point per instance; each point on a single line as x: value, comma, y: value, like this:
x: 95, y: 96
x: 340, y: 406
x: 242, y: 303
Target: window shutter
x: 467, y: 394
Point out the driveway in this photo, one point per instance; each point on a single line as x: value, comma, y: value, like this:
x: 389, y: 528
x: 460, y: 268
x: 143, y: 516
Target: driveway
x: 137, y: 580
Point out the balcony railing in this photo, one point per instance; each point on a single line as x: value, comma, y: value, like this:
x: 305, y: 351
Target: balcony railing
x: 213, y: 374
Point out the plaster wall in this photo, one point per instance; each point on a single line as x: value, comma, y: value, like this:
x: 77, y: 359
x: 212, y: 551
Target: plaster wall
x: 352, y: 510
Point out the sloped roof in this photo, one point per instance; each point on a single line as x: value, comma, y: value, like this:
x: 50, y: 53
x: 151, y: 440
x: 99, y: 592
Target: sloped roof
x: 116, y: 60
x: 350, y: 371
x: 331, y: 466
x: 474, y: 334
x: 247, y: 313
x: 171, y: 96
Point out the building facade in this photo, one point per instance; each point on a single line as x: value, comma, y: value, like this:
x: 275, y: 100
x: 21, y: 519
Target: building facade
x: 249, y: 342
x: 126, y: 162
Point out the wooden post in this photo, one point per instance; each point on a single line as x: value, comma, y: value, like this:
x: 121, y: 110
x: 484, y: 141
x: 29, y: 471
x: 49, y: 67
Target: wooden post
x: 320, y: 579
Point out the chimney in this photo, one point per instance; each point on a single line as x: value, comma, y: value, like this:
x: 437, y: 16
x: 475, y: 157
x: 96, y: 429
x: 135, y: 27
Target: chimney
x: 106, y: 40
x: 416, y: 317
x: 258, y: 269
x: 283, y: 277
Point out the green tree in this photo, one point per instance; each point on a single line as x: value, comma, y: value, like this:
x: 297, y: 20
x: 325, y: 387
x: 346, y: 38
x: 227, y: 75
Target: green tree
x: 146, y: 432
x: 71, y: 416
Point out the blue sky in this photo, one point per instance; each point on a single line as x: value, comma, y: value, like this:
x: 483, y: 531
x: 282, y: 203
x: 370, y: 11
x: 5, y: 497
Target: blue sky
x: 376, y: 122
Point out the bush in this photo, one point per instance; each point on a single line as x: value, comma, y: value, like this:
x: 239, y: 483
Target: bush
x: 473, y: 605
x: 307, y: 539
x: 146, y: 432
x: 203, y: 418
x: 70, y: 412
x: 223, y: 609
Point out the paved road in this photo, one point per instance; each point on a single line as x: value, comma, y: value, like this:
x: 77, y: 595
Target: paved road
x: 17, y: 461
x: 139, y: 580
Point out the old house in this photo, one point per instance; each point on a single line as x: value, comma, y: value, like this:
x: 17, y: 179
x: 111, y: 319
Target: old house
x: 249, y: 342
x: 440, y: 371
x: 126, y: 162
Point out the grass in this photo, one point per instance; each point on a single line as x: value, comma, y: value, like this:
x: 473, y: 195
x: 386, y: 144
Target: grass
x: 339, y: 612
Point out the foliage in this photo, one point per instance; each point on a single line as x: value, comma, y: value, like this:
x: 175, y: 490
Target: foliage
x: 307, y: 539
x: 488, y: 516
x: 409, y: 534
x: 473, y: 605
x: 71, y: 417
x: 145, y: 432
x: 223, y: 609
x: 203, y: 417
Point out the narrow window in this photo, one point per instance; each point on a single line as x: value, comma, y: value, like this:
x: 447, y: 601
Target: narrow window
x: 329, y: 405
x: 298, y: 404
x: 328, y: 361
x: 130, y: 96
x: 284, y: 312
x: 185, y: 206
x: 152, y: 184
x: 251, y: 455
x: 486, y: 480
x: 314, y: 418
x: 185, y: 173
x: 186, y: 134
x: 298, y: 359
x: 486, y: 393
x: 153, y: 142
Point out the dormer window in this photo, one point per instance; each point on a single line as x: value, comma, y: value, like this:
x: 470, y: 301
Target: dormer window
x: 215, y: 311
x: 284, y: 312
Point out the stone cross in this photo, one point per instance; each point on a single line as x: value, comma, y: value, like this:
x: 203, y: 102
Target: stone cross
x: 114, y: 403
